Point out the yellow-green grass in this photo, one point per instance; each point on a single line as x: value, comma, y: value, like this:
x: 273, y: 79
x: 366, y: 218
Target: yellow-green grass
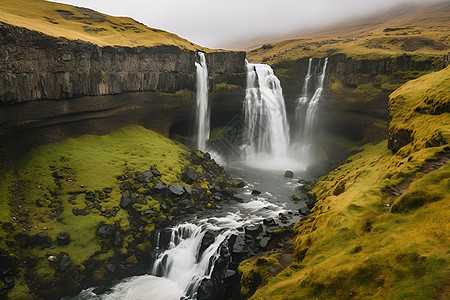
x: 94, y: 27
x: 421, y: 42
x: 91, y: 161
x: 352, y: 245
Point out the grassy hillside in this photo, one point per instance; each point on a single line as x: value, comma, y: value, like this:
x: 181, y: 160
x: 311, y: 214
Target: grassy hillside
x: 75, y: 23
x: 380, y: 227
x: 421, y: 31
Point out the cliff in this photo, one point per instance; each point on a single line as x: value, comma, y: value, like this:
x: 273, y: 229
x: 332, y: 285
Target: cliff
x: 47, y: 82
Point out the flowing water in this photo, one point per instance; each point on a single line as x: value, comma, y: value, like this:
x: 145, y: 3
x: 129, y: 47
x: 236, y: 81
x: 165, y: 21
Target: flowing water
x: 306, y: 114
x: 202, y: 112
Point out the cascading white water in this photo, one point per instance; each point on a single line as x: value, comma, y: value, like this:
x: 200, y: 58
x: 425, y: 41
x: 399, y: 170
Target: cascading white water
x: 306, y: 114
x: 202, y: 112
x: 267, y: 130
x: 180, y: 263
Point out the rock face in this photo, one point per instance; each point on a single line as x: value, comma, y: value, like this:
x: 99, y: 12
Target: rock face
x: 100, y: 89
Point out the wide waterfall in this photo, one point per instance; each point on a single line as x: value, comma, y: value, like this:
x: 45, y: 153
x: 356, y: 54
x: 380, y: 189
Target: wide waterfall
x: 202, y: 112
x: 306, y: 112
x: 267, y: 130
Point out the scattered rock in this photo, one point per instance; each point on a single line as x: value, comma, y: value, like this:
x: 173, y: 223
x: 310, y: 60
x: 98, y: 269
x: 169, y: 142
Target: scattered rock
x: 57, y: 175
x: 175, y: 190
x: 105, y: 230
x: 289, y: 174
x: 147, y: 177
x: 118, y: 239
x: 189, y: 176
x: 63, y: 238
x: 185, y: 204
x: 62, y: 262
x: 126, y: 186
x: 126, y: 200
x: 253, y: 230
x: 159, y: 187
x: 263, y: 242
x: 107, y: 190
x: 42, y: 240
x: 269, y: 222
x: 256, y: 192
x: 155, y: 172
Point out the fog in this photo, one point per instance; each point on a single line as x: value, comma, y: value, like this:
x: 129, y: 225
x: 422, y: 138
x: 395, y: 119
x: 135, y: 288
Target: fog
x: 222, y: 23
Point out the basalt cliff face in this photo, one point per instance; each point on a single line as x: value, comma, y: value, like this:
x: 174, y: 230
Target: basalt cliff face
x: 356, y: 96
x: 47, y: 82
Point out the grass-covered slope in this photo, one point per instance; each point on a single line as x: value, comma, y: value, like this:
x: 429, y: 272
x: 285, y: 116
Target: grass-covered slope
x: 75, y: 23
x: 380, y: 227
x: 99, y: 171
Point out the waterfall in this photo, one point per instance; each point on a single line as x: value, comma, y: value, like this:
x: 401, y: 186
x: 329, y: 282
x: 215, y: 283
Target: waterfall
x: 267, y: 130
x: 182, y: 264
x: 202, y: 112
x: 306, y: 113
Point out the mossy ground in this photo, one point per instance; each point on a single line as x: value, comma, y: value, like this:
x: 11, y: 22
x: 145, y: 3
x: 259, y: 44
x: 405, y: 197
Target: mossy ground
x: 418, y: 41
x: 353, y: 245
x: 57, y: 20
x: 88, y: 163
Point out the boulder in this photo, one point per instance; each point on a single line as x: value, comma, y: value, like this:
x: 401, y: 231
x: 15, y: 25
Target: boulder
x: 175, y: 190
x: 147, y: 177
x: 62, y: 262
x: 263, y: 242
x: 63, y: 238
x: 126, y: 186
x: 42, y: 240
x: 159, y: 187
x: 289, y: 174
x: 269, y: 222
x: 205, y: 290
x: 256, y: 192
x: 105, y: 230
x: 155, y: 172
x: 126, y: 200
x: 207, y: 240
x: 240, y: 248
x: 185, y: 204
x: 253, y: 230
x: 189, y: 176
x: 57, y: 175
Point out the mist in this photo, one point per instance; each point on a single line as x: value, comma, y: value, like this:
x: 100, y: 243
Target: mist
x: 222, y: 23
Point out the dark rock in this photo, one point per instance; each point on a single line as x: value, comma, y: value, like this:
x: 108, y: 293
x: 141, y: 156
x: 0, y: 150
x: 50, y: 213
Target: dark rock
x: 159, y: 187
x: 147, y: 177
x: 57, y: 175
x: 185, y: 204
x: 189, y: 176
x: 303, y: 211
x: 240, y: 248
x: 39, y: 203
x: 125, y: 201
x: 310, y: 205
x: 205, y: 290
x: 8, y: 264
x: 62, y: 262
x: 105, y: 230
x: 305, y: 181
x: 256, y: 192
x: 269, y: 222
x: 188, y: 190
x: 207, y: 240
x: 214, y: 189
x: 155, y: 172
x: 118, y: 239
x: 263, y: 242
x: 289, y: 174
x: 90, y: 196
x: 398, y: 139
x: 282, y: 216
x: 107, y: 190
x: 75, y: 211
x: 253, y: 230
x: 175, y: 190
x: 126, y: 186
x: 101, y: 289
x: 239, y: 183
x: 63, y: 238
x: 42, y: 240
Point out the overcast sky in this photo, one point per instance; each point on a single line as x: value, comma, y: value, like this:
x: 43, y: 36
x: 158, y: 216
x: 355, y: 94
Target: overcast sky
x: 220, y: 23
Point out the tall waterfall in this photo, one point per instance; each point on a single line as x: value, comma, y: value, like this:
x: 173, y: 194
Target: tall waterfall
x: 306, y: 111
x: 202, y: 112
x: 267, y: 130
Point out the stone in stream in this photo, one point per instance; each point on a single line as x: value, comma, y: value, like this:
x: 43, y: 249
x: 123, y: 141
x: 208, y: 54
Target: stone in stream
x: 239, y: 183
x: 256, y: 192
x: 289, y: 174
x: 207, y: 240
x: 240, y: 248
x: 189, y: 176
x: 269, y: 222
x: 63, y: 238
x: 253, y: 230
x: 303, y: 211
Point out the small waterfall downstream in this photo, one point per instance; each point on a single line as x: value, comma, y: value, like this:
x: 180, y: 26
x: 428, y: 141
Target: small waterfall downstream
x: 202, y: 116
x: 267, y: 130
x: 306, y: 112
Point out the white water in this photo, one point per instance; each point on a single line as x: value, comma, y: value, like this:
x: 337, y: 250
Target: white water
x: 306, y: 115
x: 202, y: 113
x: 266, y: 140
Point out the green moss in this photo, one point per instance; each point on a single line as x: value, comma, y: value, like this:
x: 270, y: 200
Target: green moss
x: 225, y: 86
x: 366, y: 92
x: 399, y: 255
